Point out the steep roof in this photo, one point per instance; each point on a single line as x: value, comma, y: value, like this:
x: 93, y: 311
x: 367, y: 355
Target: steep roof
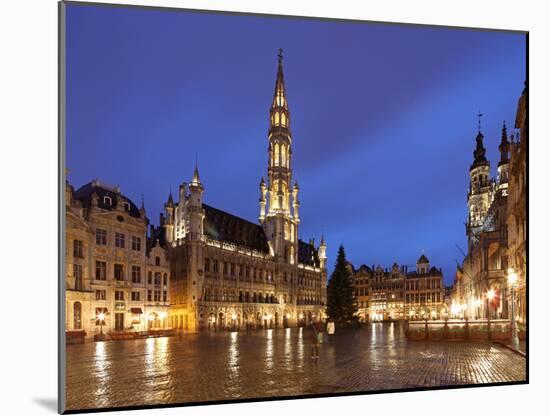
x: 423, y: 260
x: 223, y: 226
x: 84, y: 195
x: 307, y: 254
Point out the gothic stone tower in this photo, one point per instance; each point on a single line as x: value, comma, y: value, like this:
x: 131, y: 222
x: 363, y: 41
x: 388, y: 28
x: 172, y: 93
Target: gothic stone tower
x: 280, y: 222
x: 479, y: 194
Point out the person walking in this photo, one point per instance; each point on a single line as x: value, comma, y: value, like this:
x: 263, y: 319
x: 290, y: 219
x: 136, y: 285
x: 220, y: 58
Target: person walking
x: 314, y: 343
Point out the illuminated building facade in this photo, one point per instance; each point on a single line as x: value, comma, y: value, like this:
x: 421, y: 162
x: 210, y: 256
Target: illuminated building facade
x: 400, y: 294
x: 517, y: 208
x: 229, y: 273
x: 496, y: 230
x: 117, y: 278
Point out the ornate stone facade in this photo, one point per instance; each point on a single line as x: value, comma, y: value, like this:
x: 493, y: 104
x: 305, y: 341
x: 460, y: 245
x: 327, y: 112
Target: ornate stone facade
x: 495, y: 229
x: 117, y: 278
x: 399, y: 294
x: 232, y: 273
x: 517, y: 208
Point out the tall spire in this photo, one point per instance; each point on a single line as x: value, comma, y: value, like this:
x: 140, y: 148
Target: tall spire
x: 479, y: 152
x: 196, y: 178
x: 279, y: 114
x: 504, y: 146
x: 170, y: 198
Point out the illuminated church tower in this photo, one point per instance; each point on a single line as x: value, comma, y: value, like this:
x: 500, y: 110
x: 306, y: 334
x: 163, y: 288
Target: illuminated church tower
x: 480, y: 192
x: 278, y: 196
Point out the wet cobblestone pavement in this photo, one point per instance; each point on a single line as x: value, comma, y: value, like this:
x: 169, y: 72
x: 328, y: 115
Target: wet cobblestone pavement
x: 219, y: 366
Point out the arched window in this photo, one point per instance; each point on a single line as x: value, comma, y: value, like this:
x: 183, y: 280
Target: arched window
x: 287, y: 231
x: 277, y: 118
x: 283, y: 119
x: 107, y: 200
x: 77, y: 316
x: 283, y: 155
x: 157, y: 260
x: 292, y: 232
x: 276, y: 154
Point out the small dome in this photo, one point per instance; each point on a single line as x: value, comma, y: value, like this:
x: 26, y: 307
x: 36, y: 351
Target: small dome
x: 423, y: 260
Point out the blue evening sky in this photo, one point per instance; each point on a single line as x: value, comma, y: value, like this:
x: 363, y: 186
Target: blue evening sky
x: 383, y: 118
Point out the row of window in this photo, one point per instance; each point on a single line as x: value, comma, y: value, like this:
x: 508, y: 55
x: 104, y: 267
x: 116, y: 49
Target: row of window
x: 152, y: 295
x: 101, y: 274
x: 244, y: 296
x: 423, y: 298
x: 120, y: 239
x: 232, y: 270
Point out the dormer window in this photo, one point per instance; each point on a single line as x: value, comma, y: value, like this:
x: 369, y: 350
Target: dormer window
x: 107, y: 200
x: 126, y: 206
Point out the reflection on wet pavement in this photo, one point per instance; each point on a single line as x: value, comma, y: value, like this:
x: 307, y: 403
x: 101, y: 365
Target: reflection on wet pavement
x: 223, y: 365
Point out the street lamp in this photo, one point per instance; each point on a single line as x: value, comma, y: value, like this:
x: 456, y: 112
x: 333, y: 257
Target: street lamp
x: 490, y: 296
x: 512, y: 281
x: 101, y: 318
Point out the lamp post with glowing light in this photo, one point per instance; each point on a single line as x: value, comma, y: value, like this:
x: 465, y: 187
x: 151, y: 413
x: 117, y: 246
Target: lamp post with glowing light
x: 101, y: 319
x: 512, y: 281
x: 490, y: 296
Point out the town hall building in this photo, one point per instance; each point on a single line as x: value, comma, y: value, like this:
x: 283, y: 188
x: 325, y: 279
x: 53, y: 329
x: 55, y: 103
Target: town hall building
x: 230, y: 273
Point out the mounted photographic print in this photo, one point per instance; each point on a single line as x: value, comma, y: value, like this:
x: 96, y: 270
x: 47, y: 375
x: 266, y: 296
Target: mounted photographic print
x: 260, y: 207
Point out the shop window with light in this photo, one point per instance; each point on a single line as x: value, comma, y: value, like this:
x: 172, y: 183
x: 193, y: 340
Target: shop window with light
x: 77, y: 315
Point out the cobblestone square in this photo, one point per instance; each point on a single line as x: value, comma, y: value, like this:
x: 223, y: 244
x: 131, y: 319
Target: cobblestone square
x: 224, y: 365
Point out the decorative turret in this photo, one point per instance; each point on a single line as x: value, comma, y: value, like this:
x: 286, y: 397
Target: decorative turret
x: 422, y: 264
x: 504, y: 162
x: 196, y: 217
x: 323, y: 252
x: 296, y: 202
x: 169, y: 219
x: 263, y: 193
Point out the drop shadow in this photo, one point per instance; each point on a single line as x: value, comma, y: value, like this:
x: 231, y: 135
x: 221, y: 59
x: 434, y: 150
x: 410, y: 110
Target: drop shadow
x: 48, y: 403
